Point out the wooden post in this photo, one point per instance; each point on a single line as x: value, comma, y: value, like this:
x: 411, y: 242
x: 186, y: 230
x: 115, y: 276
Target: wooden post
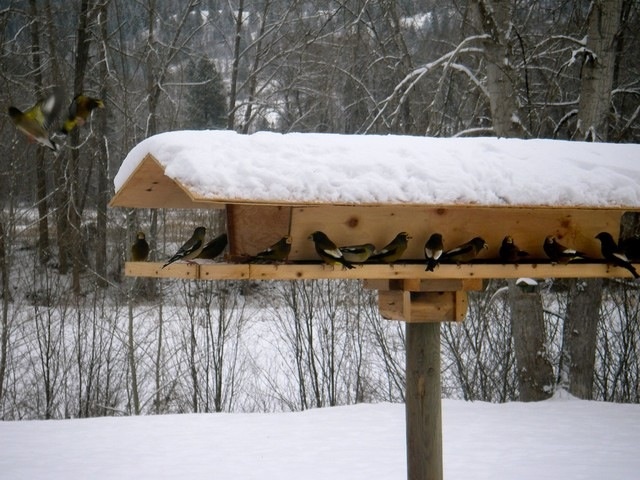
x: 423, y: 402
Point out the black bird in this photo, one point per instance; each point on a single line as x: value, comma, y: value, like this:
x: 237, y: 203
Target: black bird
x: 278, y: 252
x: 191, y: 248
x: 392, y: 252
x: 433, y: 249
x: 613, y: 254
x: 140, y: 248
x: 214, y: 248
x: 509, y: 251
x: 466, y: 252
x: 558, y: 253
x: 328, y: 251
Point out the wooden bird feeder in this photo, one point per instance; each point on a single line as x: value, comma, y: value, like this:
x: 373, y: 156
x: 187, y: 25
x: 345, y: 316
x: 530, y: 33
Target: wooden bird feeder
x: 406, y: 291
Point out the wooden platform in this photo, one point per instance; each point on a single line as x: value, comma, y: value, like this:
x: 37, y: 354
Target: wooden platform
x: 414, y: 271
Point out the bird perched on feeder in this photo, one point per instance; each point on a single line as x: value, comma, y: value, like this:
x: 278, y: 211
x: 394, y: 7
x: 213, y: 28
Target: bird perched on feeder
x: 278, y: 252
x: 357, y: 253
x: 214, y: 248
x: 466, y: 252
x: 392, y: 252
x: 433, y: 249
x: 140, y: 248
x: 79, y: 110
x: 509, y: 251
x: 558, y: 253
x: 191, y: 248
x: 613, y: 254
x: 328, y: 251
x: 36, y: 121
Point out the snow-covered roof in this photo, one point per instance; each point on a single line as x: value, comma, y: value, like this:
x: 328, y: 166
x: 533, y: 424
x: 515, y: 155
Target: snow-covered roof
x: 310, y: 168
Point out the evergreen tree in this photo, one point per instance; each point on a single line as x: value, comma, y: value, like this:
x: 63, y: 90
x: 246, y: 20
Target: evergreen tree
x: 206, y: 98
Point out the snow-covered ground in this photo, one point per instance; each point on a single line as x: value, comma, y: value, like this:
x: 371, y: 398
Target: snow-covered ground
x: 562, y: 438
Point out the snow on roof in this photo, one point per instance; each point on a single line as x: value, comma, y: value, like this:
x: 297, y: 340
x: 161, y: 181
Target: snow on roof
x: 302, y: 168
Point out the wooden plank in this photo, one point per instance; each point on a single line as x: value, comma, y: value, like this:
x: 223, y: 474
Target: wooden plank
x: 391, y: 304
x: 300, y: 271
x: 252, y: 228
x: 437, y: 307
x: 425, y: 285
x: 378, y: 225
x: 190, y: 271
x: 423, y: 405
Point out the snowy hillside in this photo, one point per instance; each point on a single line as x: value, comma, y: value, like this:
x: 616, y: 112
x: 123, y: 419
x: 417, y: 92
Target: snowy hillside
x: 563, y: 439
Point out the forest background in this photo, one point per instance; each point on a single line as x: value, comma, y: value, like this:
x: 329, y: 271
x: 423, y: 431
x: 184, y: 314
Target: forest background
x: 78, y: 339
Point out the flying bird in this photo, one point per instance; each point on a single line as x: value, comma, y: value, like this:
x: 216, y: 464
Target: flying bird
x: 191, y: 249
x: 393, y: 251
x: 613, y: 254
x: 328, y: 251
x: 466, y: 252
x: 37, y: 120
x: 433, y: 249
x: 509, y: 252
x: 357, y: 253
x: 140, y: 248
x: 558, y: 253
x: 79, y: 110
x: 214, y: 248
x: 278, y: 252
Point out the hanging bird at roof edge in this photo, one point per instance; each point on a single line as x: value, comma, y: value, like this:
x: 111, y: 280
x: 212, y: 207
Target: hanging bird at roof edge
x: 392, y: 252
x: 79, y: 110
x: 37, y: 120
x: 433, y: 249
x: 466, y: 252
x: 328, y: 251
x: 214, y: 247
x: 357, y: 253
x: 278, y: 252
x: 509, y: 252
x: 191, y: 248
x: 613, y: 254
x: 558, y: 253
x: 140, y: 248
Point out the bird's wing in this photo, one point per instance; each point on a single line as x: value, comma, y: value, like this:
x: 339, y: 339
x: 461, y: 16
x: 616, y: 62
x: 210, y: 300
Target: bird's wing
x: 431, y: 253
x: 333, y: 252
x: 621, y: 256
x: 354, y: 249
x: 49, y: 108
x: 190, y: 246
x: 462, y: 249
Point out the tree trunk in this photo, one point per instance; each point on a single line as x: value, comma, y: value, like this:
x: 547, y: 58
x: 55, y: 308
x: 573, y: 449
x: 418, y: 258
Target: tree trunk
x: 535, y: 373
x: 579, y: 336
x: 493, y: 18
x: 598, y: 70
x: 6, y: 298
x: 585, y: 296
x: 233, y: 90
x: 103, y: 159
x: 41, y: 176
